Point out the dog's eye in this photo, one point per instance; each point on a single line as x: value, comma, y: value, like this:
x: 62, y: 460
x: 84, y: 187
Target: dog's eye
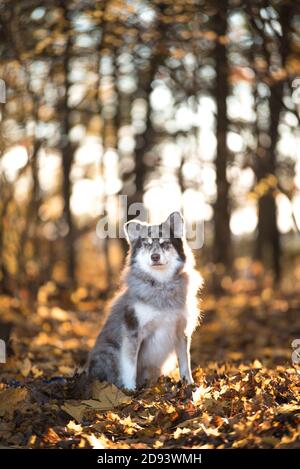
x: 164, y: 243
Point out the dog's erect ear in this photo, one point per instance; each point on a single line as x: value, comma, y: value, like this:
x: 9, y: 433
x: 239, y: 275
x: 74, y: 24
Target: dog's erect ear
x: 175, y: 225
x: 133, y: 230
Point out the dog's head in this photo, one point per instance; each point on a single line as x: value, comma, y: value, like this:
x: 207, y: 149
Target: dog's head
x: 157, y: 249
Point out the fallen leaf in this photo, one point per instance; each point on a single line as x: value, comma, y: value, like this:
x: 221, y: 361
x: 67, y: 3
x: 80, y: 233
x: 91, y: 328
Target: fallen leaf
x: 51, y: 436
x: 96, y: 442
x: 66, y: 370
x: 75, y: 409
x: 73, y: 427
x: 25, y: 367
x: 200, y: 393
x: 10, y: 398
x: 109, y: 395
x: 181, y: 431
x: 287, y: 408
x: 105, y: 397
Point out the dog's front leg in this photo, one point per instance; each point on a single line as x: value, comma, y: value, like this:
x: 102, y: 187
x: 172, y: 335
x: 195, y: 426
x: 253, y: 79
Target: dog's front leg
x: 183, y: 343
x: 128, y: 365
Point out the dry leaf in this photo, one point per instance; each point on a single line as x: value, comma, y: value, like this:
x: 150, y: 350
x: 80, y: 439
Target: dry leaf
x: 105, y: 397
x: 288, y: 408
x: 200, y: 393
x: 109, y: 395
x: 96, y: 442
x: 73, y: 427
x: 11, y: 398
x: 75, y: 409
x: 51, y: 436
x: 25, y: 367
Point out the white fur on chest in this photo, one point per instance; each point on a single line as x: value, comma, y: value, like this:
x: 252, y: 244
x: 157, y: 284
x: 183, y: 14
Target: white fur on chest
x: 151, y: 319
x: 157, y: 333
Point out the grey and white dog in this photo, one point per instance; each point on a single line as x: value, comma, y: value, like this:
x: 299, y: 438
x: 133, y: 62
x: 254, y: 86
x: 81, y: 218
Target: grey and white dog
x: 154, y: 315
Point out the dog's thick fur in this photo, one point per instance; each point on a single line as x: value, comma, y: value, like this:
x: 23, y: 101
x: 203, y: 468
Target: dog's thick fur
x: 154, y: 315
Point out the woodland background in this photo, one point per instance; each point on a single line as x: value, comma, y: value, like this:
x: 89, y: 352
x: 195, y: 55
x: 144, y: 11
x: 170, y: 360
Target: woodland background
x: 178, y: 104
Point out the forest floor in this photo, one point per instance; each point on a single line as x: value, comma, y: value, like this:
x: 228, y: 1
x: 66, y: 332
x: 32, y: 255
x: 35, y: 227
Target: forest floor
x: 246, y: 394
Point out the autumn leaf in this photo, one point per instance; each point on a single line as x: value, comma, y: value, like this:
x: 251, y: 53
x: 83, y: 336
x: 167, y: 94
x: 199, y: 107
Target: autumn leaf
x: 105, y: 397
x: 75, y: 409
x: 25, y: 367
x: 109, y: 395
x: 10, y: 399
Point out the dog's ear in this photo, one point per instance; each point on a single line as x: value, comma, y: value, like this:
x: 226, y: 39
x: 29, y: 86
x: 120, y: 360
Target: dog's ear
x: 133, y: 230
x: 175, y: 225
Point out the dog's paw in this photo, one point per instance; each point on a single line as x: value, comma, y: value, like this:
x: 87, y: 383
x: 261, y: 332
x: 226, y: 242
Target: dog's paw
x: 129, y: 387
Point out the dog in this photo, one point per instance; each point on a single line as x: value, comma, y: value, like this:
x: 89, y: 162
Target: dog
x: 156, y: 311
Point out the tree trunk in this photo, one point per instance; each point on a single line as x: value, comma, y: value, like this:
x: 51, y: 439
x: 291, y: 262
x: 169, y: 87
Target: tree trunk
x: 67, y: 154
x: 222, y: 236
x: 268, y: 236
x: 143, y: 144
x: 4, y: 275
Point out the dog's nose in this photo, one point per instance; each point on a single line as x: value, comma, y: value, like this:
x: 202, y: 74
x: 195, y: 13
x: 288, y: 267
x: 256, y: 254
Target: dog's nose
x: 155, y: 257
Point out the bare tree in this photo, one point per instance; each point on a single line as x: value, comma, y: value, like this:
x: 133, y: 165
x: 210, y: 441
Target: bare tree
x: 222, y: 237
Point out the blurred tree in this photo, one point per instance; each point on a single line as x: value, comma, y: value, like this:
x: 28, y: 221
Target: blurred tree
x: 168, y: 102
x: 222, y: 237
x: 273, y: 47
x: 65, y: 144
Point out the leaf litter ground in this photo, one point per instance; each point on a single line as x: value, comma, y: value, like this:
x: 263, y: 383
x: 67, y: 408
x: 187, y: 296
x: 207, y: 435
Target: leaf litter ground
x: 246, y: 392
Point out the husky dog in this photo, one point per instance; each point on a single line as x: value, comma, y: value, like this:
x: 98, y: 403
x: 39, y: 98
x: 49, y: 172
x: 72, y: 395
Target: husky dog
x: 155, y: 313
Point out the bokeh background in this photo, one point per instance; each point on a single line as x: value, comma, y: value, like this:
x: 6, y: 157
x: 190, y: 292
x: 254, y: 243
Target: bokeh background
x: 178, y: 104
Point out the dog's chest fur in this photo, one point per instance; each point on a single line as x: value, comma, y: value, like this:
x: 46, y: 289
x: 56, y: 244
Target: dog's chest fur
x: 152, y: 319
x: 157, y: 333
x: 168, y: 296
